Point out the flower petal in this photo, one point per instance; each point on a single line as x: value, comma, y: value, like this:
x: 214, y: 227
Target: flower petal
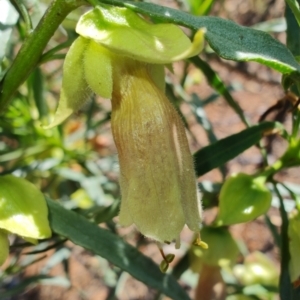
x: 126, y: 33
x: 157, y: 176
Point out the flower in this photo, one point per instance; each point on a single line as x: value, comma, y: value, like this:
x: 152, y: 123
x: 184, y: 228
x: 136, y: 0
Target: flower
x: 122, y: 57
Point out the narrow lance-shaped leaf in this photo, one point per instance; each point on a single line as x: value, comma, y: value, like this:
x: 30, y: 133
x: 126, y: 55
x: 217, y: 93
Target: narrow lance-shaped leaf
x: 111, y: 247
x: 293, y: 43
x: 38, y: 87
x: 19, y: 288
x: 285, y: 285
x: 294, y: 6
x: 229, y: 40
x: 219, y: 153
x: 198, y: 109
x: 215, y: 81
x: 294, y: 243
x: 292, y: 32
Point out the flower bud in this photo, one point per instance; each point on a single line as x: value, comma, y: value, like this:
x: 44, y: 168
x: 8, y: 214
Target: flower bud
x: 242, y: 199
x: 23, y: 208
x: 257, y: 269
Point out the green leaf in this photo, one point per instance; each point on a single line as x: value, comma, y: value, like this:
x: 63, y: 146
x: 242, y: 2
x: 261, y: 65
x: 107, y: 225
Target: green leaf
x: 242, y: 199
x: 292, y: 31
x: 23, y: 210
x: 294, y: 245
x: 126, y: 33
x: 181, y: 266
x: 105, y: 214
x: 227, y: 39
x: 294, y: 6
x: 273, y: 25
x: 222, y: 151
x: 285, y: 285
x: 37, y: 82
x: 215, y: 81
x: 273, y: 230
x: 199, y: 7
x: 111, y: 247
x: 293, y: 43
x: 19, y: 288
x: 200, y: 115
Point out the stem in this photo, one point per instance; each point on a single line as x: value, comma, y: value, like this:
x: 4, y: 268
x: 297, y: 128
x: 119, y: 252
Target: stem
x: 19, y: 5
x: 296, y: 122
x: 49, y: 54
x: 285, y: 286
x: 33, y: 47
x: 273, y: 169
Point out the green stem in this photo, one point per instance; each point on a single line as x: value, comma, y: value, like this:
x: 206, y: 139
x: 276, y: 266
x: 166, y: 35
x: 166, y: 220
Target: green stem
x: 33, y: 48
x: 285, y: 286
x: 296, y: 123
x: 49, y: 54
x: 273, y: 169
x: 24, y: 14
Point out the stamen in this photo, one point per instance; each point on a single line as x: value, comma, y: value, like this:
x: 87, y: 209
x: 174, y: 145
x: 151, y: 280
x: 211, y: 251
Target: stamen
x: 164, y: 265
x: 200, y: 243
x: 162, y: 252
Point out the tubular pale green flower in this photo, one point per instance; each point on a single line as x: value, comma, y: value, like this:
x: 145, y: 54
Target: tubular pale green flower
x: 157, y: 177
x: 123, y: 59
